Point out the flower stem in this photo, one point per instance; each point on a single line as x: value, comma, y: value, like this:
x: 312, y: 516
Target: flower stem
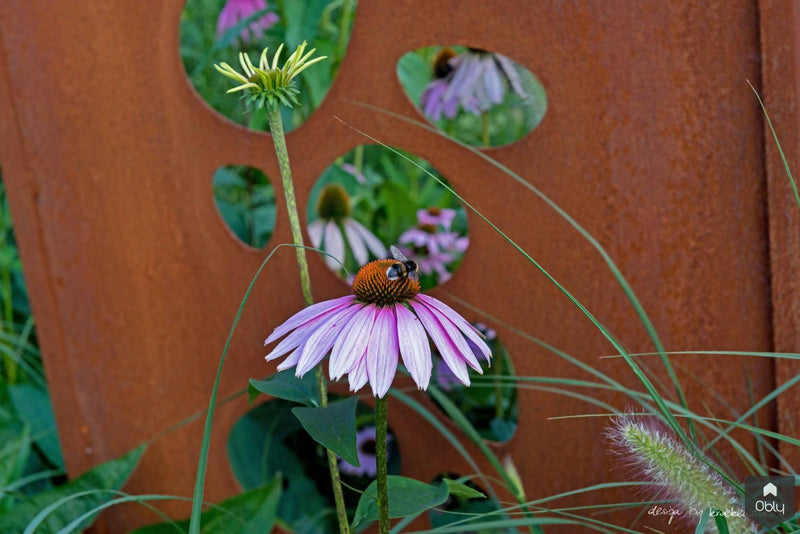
x: 279, y: 140
x: 486, y: 134
x: 381, y: 423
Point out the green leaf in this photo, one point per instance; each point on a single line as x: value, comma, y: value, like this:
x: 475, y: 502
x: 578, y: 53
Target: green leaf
x: 406, y: 497
x: 285, y: 385
x: 721, y: 522
x: 15, y: 446
x: 302, y: 21
x: 702, y: 524
x: 262, y: 444
x: 108, y: 476
x: 333, y: 427
x: 33, y: 406
x: 458, y: 489
x: 253, y: 512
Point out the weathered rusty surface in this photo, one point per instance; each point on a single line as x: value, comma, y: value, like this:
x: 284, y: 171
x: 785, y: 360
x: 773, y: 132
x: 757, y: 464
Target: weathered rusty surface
x: 652, y: 140
x: 779, y: 23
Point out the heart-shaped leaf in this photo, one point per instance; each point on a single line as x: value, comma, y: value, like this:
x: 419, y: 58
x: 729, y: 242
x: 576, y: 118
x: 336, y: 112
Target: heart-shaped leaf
x: 333, y: 427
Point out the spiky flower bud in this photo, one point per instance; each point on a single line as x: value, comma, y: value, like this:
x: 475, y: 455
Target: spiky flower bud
x: 267, y: 85
x: 678, y: 475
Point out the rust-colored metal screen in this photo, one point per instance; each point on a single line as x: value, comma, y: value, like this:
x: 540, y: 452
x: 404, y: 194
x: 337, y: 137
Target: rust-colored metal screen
x: 652, y: 140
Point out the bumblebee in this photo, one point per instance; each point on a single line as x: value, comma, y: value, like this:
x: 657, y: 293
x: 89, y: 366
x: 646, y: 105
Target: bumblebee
x: 402, y: 267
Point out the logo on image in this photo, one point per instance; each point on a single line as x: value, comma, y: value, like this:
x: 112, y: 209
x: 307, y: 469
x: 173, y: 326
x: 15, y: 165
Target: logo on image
x: 769, y: 500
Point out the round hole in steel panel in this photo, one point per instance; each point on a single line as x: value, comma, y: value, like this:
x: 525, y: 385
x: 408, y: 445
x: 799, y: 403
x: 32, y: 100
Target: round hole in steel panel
x: 245, y: 201
x: 476, y: 96
x: 216, y: 31
x: 372, y: 198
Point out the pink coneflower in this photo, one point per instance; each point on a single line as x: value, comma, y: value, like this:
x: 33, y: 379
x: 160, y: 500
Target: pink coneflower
x: 335, y: 231
x: 235, y: 11
x: 365, y: 446
x: 367, y: 332
x: 474, y: 81
x: 432, y: 244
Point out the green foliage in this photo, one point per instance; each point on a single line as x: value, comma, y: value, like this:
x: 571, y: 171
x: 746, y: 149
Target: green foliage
x: 333, y: 427
x: 406, y: 497
x: 285, y: 385
x: 57, y: 507
x: 252, y: 512
x: 269, y: 441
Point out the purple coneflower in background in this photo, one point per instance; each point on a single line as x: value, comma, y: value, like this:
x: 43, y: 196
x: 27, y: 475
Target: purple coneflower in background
x: 367, y: 332
x: 236, y: 11
x: 474, y: 81
x: 432, y: 244
x: 335, y: 226
x: 365, y: 445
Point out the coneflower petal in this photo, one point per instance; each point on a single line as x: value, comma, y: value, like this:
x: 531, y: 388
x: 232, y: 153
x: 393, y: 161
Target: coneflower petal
x: 291, y: 360
x: 414, y: 346
x: 472, y: 333
x: 307, y: 314
x: 493, y: 82
x: 444, y: 345
x: 358, y: 376
x: 323, y: 339
x: 356, y: 242
x: 295, y: 339
x: 315, y: 232
x: 373, y: 243
x: 382, y: 352
x: 352, y: 342
x: 457, y: 339
x: 334, y: 245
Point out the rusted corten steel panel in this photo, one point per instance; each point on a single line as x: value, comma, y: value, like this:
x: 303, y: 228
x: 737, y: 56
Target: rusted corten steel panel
x: 780, y: 22
x: 652, y: 140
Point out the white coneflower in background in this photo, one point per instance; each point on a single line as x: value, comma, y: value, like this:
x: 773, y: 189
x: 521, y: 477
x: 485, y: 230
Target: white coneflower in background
x: 335, y: 231
x: 677, y: 474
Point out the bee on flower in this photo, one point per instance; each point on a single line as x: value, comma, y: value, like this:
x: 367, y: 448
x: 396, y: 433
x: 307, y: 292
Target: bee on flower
x: 367, y: 333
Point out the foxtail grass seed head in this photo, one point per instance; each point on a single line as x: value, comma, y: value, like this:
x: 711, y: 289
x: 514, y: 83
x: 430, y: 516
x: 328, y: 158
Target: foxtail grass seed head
x: 652, y: 451
x: 367, y: 332
x: 268, y: 85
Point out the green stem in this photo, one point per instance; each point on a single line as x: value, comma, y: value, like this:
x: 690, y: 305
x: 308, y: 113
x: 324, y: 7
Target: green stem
x: 381, y: 423
x: 485, y: 125
x: 279, y: 140
x: 344, y: 24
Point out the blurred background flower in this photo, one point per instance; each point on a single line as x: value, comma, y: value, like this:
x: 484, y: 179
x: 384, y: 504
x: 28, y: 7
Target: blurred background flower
x: 236, y: 11
x: 432, y: 244
x: 365, y: 445
x: 336, y: 232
